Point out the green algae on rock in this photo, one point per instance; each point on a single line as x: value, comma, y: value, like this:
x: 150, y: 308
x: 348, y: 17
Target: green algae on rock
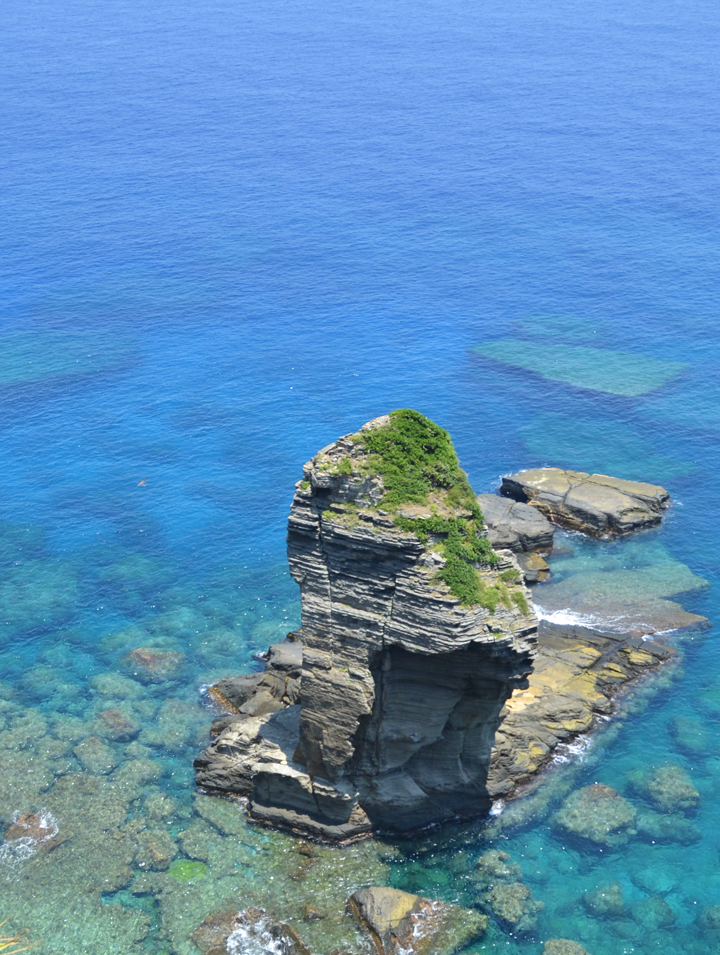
x: 187, y: 870
x: 597, y: 369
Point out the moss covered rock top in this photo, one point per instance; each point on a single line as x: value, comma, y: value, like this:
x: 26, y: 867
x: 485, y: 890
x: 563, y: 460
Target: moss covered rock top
x: 406, y: 467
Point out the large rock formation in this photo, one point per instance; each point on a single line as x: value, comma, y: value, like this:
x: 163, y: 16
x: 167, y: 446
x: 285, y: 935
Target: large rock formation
x: 593, y: 503
x: 414, y: 632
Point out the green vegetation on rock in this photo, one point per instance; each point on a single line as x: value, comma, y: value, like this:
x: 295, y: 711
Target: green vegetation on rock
x: 186, y: 870
x: 415, y: 456
x: 418, y: 464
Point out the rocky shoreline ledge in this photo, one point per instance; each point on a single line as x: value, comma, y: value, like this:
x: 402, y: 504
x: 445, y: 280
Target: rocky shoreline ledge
x: 421, y: 686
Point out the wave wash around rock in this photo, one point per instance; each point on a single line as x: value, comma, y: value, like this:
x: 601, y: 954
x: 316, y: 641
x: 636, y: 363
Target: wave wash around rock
x: 414, y: 632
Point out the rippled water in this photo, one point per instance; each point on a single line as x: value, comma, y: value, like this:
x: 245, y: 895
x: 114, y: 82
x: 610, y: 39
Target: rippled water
x: 233, y: 233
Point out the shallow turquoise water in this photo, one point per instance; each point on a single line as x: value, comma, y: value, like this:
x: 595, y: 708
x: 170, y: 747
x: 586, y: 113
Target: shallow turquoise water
x: 232, y: 234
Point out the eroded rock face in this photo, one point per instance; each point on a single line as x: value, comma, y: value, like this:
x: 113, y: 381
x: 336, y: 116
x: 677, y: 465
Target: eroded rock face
x: 399, y: 922
x: 402, y: 682
x: 515, y: 525
x: 593, y: 503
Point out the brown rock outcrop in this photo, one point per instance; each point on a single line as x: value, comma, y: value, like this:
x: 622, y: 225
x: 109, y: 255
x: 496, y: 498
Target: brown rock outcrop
x: 593, y: 503
x: 399, y: 922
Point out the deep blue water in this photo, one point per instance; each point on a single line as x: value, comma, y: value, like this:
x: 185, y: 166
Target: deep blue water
x: 233, y: 232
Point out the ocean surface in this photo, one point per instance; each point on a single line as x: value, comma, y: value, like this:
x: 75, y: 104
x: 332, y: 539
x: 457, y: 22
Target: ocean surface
x: 232, y: 232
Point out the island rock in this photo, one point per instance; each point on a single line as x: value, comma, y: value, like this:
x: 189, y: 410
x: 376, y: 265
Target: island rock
x: 414, y: 635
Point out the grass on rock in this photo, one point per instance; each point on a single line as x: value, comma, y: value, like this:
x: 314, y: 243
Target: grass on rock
x: 416, y: 459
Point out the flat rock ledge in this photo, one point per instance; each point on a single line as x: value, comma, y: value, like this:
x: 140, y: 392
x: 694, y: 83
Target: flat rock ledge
x: 577, y: 675
x: 595, y: 504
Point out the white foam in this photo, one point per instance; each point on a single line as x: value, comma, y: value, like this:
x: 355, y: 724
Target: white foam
x: 497, y: 807
x: 576, y: 750
x: 569, y: 618
x: 20, y: 850
x: 255, y: 939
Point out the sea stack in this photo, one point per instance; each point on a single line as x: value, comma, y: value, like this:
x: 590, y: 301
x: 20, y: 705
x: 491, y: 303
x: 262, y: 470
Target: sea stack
x: 414, y: 635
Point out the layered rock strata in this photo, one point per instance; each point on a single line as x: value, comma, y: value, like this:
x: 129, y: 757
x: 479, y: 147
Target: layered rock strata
x: 576, y: 677
x: 593, y: 503
x: 515, y: 526
x: 403, y: 682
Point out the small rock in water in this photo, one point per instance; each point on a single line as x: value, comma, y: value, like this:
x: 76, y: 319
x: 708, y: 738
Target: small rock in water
x: 670, y: 828
x: 311, y: 914
x: 399, y: 922
x: 514, y: 906
x: 709, y: 919
x: 39, y: 827
x: 155, y: 849
x: 605, y: 900
x: 95, y: 756
x: 563, y: 946
x: 155, y: 666
x: 668, y: 788
x: 495, y: 866
x: 118, y: 726
x: 653, y: 913
x: 599, y: 814
x: 691, y: 735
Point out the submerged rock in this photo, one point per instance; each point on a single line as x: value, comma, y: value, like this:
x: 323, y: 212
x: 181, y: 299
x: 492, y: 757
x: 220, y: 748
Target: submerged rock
x: 563, y: 946
x: 599, y: 814
x: 495, y: 866
x: 668, y: 788
x: 150, y: 665
x: 605, y: 901
x: 514, y: 906
x: 653, y: 913
x: 709, y: 919
x: 155, y: 849
x: 514, y: 525
x: 593, y: 503
x: 95, y: 756
x: 399, y: 922
x: 670, y: 828
x: 691, y: 735
x: 414, y: 635
x: 118, y: 726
